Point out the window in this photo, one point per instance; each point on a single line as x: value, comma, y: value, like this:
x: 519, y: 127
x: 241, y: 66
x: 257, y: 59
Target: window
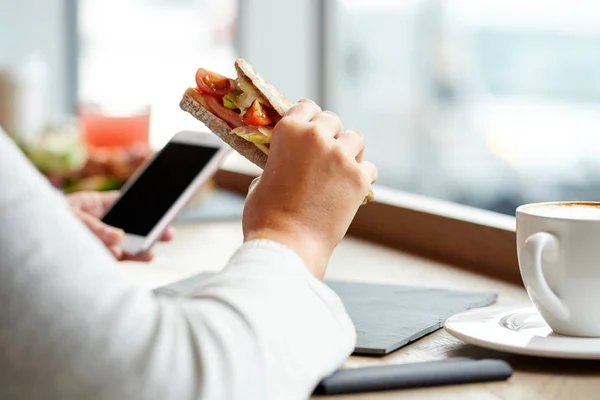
x: 488, y: 103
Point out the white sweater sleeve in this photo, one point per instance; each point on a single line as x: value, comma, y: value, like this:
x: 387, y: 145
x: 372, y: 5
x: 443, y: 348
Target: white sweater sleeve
x: 73, y: 327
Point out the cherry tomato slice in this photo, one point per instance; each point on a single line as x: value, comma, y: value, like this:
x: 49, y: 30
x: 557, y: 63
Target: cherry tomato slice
x: 212, y: 83
x: 257, y: 115
x: 233, y: 119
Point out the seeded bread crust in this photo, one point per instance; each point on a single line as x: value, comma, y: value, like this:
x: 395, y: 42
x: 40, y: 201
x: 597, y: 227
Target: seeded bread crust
x: 270, y: 94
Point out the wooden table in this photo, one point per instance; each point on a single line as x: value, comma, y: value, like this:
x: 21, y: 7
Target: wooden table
x: 207, y: 247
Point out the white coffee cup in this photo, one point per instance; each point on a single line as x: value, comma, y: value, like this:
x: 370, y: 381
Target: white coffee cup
x: 559, y: 257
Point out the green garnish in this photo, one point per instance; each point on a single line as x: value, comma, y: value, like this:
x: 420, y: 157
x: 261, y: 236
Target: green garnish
x: 229, y: 102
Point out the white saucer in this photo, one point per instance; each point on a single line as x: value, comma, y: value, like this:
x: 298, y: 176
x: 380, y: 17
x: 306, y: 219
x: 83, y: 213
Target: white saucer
x: 521, y: 331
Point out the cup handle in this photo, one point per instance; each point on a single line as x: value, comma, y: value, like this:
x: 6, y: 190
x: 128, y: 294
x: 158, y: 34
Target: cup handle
x: 538, y: 244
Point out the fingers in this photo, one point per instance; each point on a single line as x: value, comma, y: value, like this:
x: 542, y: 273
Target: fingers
x: 94, y: 203
x: 328, y: 122
x: 353, y: 143
x: 303, y: 110
x: 308, y: 111
x: 253, y: 184
x: 168, y: 234
x: 109, y: 235
x: 100, y: 202
x: 107, y: 199
x: 144, y: 257
x: 369, y: 170
x: 116, y: 251
x: 120, y: 255
x: 359, y: 157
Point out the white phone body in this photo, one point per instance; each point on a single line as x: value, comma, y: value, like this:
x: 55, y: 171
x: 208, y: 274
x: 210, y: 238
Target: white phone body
x: 135, y: 244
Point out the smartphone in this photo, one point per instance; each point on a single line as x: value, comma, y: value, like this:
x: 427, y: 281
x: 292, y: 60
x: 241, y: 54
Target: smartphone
x: 154, y: 195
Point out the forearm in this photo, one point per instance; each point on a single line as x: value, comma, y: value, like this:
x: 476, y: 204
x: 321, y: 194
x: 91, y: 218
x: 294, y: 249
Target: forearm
x: 293, y: 329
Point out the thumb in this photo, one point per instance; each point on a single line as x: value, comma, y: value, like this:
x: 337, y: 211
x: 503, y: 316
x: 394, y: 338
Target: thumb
x: 253, y: 184
x: 109, y: 235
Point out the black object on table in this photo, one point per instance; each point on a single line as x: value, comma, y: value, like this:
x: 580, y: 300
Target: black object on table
x: 450, y: 371
x: 386, y: 317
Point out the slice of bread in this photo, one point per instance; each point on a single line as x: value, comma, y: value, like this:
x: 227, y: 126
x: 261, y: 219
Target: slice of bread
x: 266, y: 92
x: 192, y: 103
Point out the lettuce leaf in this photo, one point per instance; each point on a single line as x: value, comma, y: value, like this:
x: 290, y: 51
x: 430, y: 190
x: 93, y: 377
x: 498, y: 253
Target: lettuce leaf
x: 229, y: 101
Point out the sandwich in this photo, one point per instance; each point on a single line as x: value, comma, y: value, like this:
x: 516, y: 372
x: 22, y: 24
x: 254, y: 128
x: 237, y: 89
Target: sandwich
x: 242, y: 112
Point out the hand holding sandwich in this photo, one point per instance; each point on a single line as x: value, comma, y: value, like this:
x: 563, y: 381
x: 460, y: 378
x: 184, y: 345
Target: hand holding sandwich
x: 314, y: 179
x: 242, y: 112
x: 313, y: 184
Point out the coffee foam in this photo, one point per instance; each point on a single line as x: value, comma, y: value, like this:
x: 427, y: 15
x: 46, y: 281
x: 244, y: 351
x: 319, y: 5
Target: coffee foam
x: 566, y: 210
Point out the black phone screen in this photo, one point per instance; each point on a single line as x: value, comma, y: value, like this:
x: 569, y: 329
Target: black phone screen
x: 153, y: 193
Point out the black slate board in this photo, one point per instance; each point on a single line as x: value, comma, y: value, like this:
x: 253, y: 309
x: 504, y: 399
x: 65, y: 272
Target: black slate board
x: 386, y: 317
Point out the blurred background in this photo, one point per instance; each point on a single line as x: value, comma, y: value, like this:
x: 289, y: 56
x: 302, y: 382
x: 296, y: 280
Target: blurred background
x: 489, y: 103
